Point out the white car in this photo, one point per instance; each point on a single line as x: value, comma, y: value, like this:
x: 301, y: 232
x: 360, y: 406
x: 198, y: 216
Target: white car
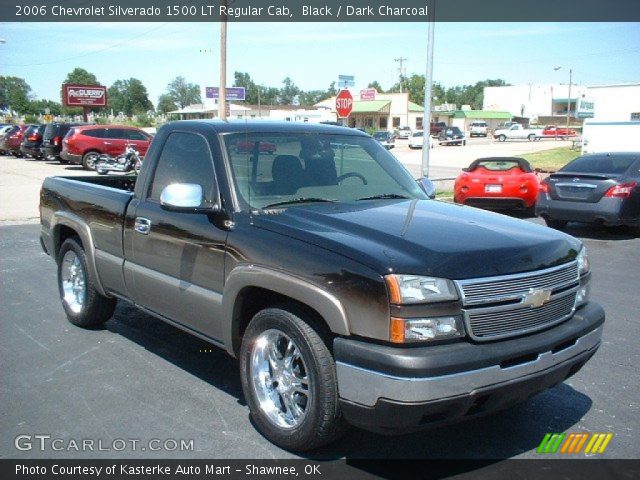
x: 478, y: 129
x: 403, y: 132
x: 416, y: 140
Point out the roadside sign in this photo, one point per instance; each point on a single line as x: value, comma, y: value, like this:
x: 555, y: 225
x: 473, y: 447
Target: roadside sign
x: 585, y: 108
x: 48, y: 118
x: 344, y: 103
x: 346, y: 81
x: 233, y: 93
x: 368, y: 94
x: 84, y: 95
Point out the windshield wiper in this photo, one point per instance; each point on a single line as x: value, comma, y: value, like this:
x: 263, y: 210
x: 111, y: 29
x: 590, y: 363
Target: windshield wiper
x: 300, y: 200
x: 384, y: 196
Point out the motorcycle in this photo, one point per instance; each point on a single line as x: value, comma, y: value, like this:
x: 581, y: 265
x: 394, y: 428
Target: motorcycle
x: 128, y: 161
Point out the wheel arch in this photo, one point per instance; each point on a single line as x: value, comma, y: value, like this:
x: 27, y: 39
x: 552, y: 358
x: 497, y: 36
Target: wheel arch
x: 251, y: 288
x: 65, y: 225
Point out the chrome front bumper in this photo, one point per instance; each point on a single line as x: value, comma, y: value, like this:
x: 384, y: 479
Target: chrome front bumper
x: 365, y: 387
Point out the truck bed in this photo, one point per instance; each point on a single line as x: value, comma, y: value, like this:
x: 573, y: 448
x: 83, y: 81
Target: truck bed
x: 100, y: 202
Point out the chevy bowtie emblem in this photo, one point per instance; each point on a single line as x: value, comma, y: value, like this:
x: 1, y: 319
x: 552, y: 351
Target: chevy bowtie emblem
x: 536, y: 297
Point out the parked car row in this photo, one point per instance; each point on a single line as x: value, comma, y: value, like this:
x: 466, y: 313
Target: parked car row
x: 600, y: 188
x: 77, y: 143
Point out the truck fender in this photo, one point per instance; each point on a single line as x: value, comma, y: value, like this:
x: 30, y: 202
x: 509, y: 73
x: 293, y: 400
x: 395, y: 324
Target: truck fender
x: 83, y: 231
x: 327, y: 305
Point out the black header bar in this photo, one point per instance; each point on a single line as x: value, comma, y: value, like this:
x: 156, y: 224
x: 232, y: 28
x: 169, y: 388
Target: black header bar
x: 320, y: 10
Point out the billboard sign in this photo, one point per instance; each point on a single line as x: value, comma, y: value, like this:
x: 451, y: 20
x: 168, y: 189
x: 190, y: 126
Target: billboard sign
x: 233, y: 93
x: 368, y: 94
x: 585, y: 108
x: 84, y: 95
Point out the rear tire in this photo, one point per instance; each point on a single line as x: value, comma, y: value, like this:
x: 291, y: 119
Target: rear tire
x: 531, y: 137
x: 82, y: 303
x: 289, y: 380
x: 502, y: 138
x: 89, y: 160
x: 555, y: 223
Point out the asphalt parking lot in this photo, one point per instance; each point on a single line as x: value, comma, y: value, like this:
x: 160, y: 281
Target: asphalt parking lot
x: 140, y: 379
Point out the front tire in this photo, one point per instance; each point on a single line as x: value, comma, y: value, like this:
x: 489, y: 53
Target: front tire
x: 82, y: 303
x: 502, y: 138
x: 289, y: 380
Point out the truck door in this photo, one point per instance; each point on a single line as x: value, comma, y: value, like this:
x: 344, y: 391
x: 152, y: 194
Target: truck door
x: 175, y: 259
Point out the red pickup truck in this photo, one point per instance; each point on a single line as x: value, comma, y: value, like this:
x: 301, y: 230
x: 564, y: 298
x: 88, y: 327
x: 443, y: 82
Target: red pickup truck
x: 553, y: 131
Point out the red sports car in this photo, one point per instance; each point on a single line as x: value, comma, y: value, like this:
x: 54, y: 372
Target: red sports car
x: 553, y: 131
x: 498, y: 183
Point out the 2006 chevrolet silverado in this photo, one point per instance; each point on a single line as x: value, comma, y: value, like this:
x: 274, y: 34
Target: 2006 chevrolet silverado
x: 346, y: 293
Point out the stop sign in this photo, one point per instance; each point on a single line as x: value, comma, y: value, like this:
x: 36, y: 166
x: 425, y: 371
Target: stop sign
x: 344, y: 103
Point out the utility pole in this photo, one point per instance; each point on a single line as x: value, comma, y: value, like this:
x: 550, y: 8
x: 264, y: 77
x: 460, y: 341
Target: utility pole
x: 568, y: 96
x: 428, y: 91
x: 569, y: 100
x: 222, y: 99
x: 400, y: 69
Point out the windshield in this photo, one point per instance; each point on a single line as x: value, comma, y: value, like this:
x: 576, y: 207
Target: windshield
x: 499, y: 166
x: 380, y: 135
x: 271, y: 168
x: 608, y: 164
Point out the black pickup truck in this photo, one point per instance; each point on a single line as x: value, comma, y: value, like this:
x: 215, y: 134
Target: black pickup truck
x: 346, y: 293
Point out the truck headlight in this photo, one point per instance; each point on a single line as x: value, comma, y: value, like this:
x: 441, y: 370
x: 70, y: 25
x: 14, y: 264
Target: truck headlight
x: 583, y: 261
x: 584, y: 290
x: 406, y: 330
x: 411, y: 289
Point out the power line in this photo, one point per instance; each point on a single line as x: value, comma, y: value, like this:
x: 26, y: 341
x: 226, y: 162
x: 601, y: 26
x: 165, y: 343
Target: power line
x: 86, y: 54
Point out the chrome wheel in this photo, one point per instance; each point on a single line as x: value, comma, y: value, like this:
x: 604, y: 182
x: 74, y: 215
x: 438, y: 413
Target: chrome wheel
x: 73, y: 282
x: 279, y: 379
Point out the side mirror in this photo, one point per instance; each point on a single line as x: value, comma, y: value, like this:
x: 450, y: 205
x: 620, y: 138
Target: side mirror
x: 185, y: 197
x: 427, y: 187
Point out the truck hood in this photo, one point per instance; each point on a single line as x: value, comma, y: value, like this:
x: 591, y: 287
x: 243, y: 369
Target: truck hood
x: 424, y: 237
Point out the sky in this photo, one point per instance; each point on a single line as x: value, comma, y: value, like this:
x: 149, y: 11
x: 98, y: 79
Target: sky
x: 314, y: 54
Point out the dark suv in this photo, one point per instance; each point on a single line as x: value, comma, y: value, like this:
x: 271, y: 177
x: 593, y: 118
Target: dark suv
x: 83, y: 144
x: 451, y: 136
x: 52, y: 139
x: 32, y: 140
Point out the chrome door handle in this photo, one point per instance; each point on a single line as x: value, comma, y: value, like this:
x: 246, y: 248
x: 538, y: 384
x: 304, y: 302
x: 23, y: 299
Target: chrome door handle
x: 142, y: 225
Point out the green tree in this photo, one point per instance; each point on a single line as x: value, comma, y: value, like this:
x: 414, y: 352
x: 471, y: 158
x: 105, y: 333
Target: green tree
x: 288, y: 92
x: 332, y: 91
x: 312, y: 97
x: 15, y: 94
x: 40, y: 106
x: 438, y: 93
x: 376, y: 85
x: 79, y: 76
x: 252, y: 91
x: 183, y: 93
x: 269, y: 95
x: 472, y: 94
x: 130, y: 97
x: 166, y: 104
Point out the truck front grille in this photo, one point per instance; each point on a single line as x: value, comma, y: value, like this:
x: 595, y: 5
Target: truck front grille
x: 510, y: 305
